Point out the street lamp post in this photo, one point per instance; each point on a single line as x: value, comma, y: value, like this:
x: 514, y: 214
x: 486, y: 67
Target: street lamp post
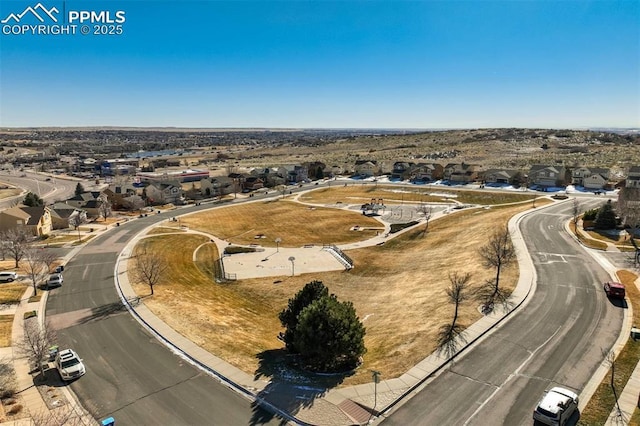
x: 278, y: 241
x: 376, y: 380
x: 292, y: 259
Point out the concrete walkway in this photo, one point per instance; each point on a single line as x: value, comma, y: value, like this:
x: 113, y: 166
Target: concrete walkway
x: 37, y: 410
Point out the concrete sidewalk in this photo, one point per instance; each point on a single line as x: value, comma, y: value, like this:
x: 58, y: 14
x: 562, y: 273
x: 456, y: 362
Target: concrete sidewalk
x: 37, y: 410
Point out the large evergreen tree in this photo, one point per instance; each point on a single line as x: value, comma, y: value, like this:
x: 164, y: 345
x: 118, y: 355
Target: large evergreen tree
x: 326, y: 333
x: 606, y: 217
x: 289, y: 317
x: 329, y: 335
x: 33, y: 200
x: 79, y: 189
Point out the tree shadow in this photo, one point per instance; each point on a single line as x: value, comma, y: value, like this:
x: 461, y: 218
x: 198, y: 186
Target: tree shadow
x: 50, y: 378
x: 290, y: 388
x: 104, y: 311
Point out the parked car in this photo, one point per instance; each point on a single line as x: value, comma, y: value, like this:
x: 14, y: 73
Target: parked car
x: 7, y: 277
x: 613, y: 289
x: 55, y: 280
x: 69, y: 365
x: 556, y: 407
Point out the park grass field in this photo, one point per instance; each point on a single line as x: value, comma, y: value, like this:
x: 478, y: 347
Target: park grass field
x: 398, y: 288
x: 295, y: 224
x: 393, y: 194
x: 9, y: 192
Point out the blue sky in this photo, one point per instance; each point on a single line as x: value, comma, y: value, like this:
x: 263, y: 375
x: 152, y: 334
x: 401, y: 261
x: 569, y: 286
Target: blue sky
x: 329, y: 64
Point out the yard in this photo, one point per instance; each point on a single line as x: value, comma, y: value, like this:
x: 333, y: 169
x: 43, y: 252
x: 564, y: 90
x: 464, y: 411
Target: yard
x: 238, y: 321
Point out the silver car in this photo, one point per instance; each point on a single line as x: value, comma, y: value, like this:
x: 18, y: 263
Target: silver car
x: 55, y: 280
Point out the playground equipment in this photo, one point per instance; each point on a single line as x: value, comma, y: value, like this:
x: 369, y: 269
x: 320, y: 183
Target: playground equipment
x: 373, y: 207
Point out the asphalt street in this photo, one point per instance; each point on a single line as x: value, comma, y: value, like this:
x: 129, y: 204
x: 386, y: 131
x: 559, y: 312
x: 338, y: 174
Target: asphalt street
x: 130, y: 375
x: 557, y: 338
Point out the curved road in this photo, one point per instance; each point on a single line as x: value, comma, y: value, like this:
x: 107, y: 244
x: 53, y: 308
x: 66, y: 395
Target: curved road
x: 52, y: 190
x: 130, y: 375
x: 557, y: 338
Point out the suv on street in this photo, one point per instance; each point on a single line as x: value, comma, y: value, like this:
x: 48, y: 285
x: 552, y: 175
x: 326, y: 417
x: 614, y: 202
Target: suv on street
x: 69, y: 365
x: 7, y: 277
x: 55, y: 280
x: 556, y: 407
x: 613, y: 289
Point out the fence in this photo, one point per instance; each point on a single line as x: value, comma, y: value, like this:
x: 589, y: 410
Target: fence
x: 339, y: 254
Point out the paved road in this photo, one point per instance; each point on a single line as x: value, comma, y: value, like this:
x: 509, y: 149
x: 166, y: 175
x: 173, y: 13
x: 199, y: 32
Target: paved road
x: 557, y: 338
x: 56, y: 189
x: 129, y: 374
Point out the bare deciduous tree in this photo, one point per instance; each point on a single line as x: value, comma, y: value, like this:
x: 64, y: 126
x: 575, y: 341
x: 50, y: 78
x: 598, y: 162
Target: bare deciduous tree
x: 449, y: 334
x: 8, y: 384
x: 16, y: 242
x: 48, y: 258
x: 426, y: 210
x: 35, y: 266
x: 575, y: 209
x: 76, y: 221
x: 105, y: 209
x: 498, y: 253
x: 133, y: 202
x: 149, y: 268
x: 67, y: 415
x: 36, y: 342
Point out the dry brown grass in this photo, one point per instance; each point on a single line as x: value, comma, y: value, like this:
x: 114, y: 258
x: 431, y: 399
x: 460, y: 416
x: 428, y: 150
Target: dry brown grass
x: 164, y: 230
x: 6, y: 321
x: 294, y: 223
x: 360, y: 194
x: 12, y: 292
x: 9, y: 192
x: 407, y: 275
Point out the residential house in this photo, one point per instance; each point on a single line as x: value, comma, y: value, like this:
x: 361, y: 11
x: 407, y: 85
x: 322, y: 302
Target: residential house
x: 503, y: 177
x: 590, y: 177
x: 116, y: 194
x: 269, y: 175
x: 316, y: 170
x: 164, y: 193
x: 462, y: 172
x: 293, y: 173
x: 62, y: 214
x: 251, y: 183
x: 633, y: 177
x: 37, y: 220
x: 427, y: 172
x: 366, y: 168
x: 402, y: 170
x: 548, y: 176
x: 216, y: 186
x: 89, y: 202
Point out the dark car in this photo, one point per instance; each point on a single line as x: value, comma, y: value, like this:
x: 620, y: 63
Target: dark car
x: 613, y: 289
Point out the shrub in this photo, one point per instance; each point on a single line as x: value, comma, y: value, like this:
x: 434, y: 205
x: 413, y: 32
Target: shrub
x: 238, y: 249
x: 590, y: 214
x: 397, y: 227
x: 30, y: 314
x: 15, y: 409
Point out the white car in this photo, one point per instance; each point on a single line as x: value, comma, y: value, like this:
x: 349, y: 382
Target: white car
x: 7, y: 277
x: 556, y: 407
x: 69, y: 365
x: 55, y: 280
